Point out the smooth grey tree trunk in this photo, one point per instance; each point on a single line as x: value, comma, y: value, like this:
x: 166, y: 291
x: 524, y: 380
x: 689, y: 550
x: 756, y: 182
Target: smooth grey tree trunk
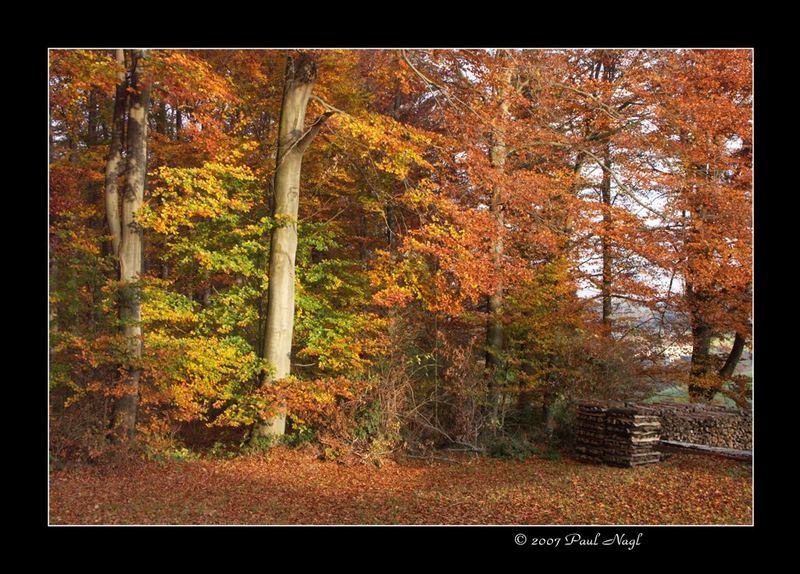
x: 114, y: 162
x: 130, y: 250
x: 293, y: 140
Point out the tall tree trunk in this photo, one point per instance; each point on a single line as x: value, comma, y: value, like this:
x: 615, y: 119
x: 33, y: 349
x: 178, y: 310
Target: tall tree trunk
x: 161, y: 119
x: 363, y: 230
x: 51, y: 142
x: 178, y: 123
x: 391, y: 219
x: 733, y: 357
x: 498, y: 154
x: 702, y: 333
x: 52, y: 265
x: 114, y: 162
x: 301, y: 73
x: 72, y: 145
x: 130, y: 251
x: 701, y: 348
x: 605, y: 191
x: 608, y: 63
x: 52, y: 306
x: 697, y: 297
x: 93, y: 118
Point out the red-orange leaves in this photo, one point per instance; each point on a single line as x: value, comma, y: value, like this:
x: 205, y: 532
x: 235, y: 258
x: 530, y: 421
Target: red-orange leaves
x: 291, y: 487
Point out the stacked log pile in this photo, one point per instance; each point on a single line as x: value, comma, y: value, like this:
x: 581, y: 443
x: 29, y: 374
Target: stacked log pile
x: 631, y: 437
x: 616, y: 434
x: 703, y: 424
x: 590, y: 432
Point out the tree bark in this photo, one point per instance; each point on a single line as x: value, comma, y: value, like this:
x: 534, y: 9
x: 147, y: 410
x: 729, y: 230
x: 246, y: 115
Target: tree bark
x: 178, y: 123
x: 701, y: 349
x: 93, y: 118
x: 495, y: 335
x: 733, y: 357
x: 51, y: 143
x: 161, y: 119
x: 698, y: 297
x: 301, y: 73
x: 52, y: 306
x: 114, y: 162
x: 130, y: 250
x: 605, y: 191
x: 608, y: 63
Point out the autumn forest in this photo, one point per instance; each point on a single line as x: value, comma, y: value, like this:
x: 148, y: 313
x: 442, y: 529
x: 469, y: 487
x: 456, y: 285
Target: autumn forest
x: 380, y: 281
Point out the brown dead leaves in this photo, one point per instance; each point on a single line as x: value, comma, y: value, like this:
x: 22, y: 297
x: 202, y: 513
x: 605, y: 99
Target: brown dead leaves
x: 291, y: 487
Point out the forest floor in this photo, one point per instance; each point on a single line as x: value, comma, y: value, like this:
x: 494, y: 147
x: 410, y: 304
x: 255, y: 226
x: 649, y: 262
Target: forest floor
x: 295, y: 487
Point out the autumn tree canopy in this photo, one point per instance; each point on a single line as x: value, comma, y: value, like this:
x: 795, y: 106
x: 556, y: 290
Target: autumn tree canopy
x: 386, y: 247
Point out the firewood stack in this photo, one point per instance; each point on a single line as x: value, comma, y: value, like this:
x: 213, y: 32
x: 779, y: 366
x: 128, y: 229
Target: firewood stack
x: 631, y: 437
x: 590, y: 432
x: 710, y: 425
x: 616, y: 434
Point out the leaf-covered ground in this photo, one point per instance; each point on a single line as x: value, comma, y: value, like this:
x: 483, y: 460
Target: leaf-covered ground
x: 292, y: 487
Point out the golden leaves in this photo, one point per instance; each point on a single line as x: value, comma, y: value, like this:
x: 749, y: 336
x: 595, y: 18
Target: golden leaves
x: 189, y: 194
x: 394, y: 148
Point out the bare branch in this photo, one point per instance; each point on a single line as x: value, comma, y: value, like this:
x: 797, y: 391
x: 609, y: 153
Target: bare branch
x: 327, y: 106
x: 620, y: 184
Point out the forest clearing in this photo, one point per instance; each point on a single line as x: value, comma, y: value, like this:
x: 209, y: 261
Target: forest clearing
x: 399, y: 286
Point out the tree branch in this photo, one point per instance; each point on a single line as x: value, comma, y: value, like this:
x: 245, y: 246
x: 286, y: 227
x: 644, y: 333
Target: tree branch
x: 306, y: 139
x: 326, y: 105
x: 620, y: 184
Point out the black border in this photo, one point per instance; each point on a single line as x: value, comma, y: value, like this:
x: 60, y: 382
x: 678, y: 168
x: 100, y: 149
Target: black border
x: 490, y: 541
